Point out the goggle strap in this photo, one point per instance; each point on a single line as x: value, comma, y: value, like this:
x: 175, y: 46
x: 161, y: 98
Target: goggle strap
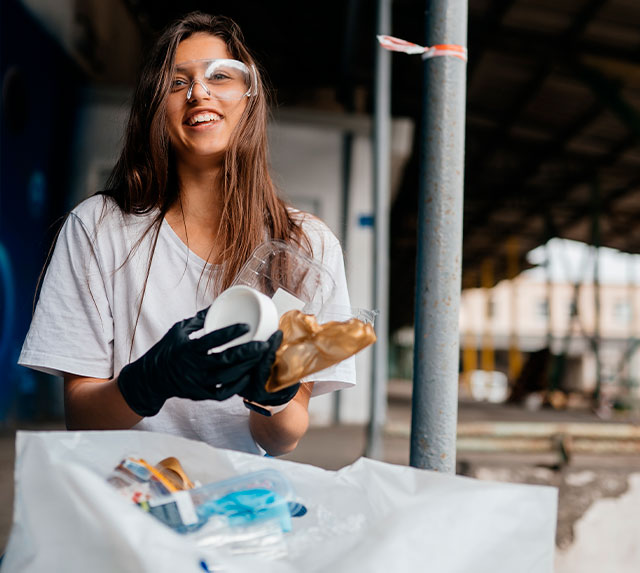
x: 255, y: 81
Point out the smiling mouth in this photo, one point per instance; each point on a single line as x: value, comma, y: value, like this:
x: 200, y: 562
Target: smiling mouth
x: 204, y: 118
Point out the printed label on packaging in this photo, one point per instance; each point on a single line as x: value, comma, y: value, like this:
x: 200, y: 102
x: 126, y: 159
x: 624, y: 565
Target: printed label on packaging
x: 177, y: 512
x: 285, y: 302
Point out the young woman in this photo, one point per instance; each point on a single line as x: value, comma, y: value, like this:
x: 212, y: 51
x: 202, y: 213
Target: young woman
x: 187, y: 203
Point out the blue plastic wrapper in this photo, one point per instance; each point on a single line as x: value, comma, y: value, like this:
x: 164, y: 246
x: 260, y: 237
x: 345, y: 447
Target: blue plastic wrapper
x: 242, y: 501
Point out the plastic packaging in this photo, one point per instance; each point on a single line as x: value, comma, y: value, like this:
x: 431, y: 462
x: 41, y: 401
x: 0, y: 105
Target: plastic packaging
x: 369, y: 516
x: 295, y: 281
x: 287, y: 275
x: 241, y: 500
x: 247, y: 514
x: 340, y: 313
x: 309, y: 347
x: 263, y: 539
x: 136, y: 480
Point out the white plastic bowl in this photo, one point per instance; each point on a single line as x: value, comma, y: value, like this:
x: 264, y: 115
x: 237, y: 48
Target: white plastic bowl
x: 242, y: 304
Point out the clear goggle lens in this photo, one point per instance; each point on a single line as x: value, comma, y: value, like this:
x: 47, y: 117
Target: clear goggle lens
x: 221, y: 79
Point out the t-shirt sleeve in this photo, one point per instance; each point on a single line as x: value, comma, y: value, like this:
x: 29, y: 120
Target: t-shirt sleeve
x: 328, y: 251
x: 72, y: 327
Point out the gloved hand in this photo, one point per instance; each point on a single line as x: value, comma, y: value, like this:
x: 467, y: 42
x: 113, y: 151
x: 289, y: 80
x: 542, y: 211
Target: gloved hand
x: 179, y: 366
x: 256, y: 396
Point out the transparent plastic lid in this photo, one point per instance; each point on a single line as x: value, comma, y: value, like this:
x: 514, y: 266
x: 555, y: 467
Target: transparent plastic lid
x: 340, y: 313
x: 289, y: 276
x: 267, y: 479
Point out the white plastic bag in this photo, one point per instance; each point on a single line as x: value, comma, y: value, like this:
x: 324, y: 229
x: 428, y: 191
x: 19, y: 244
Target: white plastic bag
x: 369, y: 516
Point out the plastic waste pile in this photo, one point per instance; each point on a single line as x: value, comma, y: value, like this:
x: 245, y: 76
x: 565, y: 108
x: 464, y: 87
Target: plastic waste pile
x: 246, y: 514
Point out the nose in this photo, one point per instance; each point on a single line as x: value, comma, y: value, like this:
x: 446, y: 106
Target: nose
x: 191, y: 91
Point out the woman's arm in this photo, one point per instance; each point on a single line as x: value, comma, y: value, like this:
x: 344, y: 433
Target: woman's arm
x: 279, y: 434
x: 96, y: 404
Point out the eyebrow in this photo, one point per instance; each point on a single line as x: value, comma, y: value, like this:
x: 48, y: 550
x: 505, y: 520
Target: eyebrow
x: 182, y: 66
x: 188, y: 64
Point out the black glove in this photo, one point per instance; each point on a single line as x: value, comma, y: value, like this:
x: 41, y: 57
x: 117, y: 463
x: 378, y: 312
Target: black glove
x: 255, y: 393
x: 179, y: 366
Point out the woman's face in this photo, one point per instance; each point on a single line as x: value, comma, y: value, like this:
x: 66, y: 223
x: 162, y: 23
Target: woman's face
x: 200, y: 126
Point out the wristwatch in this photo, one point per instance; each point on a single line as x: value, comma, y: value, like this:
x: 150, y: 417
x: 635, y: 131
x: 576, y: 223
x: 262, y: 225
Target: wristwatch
x: 263, y: 409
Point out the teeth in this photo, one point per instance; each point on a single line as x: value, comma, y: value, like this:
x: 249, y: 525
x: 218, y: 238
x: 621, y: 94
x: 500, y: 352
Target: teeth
x: 203, y: 117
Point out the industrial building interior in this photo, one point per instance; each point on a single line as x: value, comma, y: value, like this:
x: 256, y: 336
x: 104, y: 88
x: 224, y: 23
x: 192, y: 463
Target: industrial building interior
x: 552, y: 152
x: 552, y: 124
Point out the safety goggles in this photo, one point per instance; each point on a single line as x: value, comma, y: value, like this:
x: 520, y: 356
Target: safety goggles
x: 222, y: 79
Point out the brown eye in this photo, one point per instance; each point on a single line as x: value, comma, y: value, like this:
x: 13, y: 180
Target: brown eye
x: 177, y: 84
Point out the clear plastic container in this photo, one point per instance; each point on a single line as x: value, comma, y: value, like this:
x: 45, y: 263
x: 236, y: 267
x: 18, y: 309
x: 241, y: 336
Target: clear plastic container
x: 329, y: 312
x: 248, y: 498
x: 277, y: 266
x: 289, y: 276
x: 241, y: 501
x: 294, y: 280
x: 263, y: 539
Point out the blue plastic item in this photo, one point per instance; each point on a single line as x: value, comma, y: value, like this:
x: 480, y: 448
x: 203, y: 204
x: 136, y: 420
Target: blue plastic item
x: 247, y: 506
x: 242, y: 500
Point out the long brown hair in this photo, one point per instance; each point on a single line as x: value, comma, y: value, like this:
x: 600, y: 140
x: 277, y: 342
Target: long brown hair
x: 144, y: 177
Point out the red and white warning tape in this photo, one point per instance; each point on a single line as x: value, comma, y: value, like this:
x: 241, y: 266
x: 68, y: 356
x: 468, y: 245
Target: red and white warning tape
x: 398, y: 45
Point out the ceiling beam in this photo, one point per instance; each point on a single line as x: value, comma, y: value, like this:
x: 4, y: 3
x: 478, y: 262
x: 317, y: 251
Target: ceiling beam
x: 545, y: 199
x: 481, y: 31
x: 531, y: 166
x: 609, y: 92
x: 528, y: 92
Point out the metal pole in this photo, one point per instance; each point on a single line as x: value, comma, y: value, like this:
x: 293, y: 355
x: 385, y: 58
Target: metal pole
x: 347, y: 149
x: 382, y: 181
x: 488, y: 350
x: 513, y: 264
x: 347, y: 98
x: 435, y: 385
x: 597, y: 338
x: 549, y: 294
x: 595, y: 241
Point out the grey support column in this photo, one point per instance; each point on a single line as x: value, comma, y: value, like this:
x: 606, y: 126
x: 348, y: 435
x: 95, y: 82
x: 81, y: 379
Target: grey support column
x: 381, y: 182
x: 435, y: 385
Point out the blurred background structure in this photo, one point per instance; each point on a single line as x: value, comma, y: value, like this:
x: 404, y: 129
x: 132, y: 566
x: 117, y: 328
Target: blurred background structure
x: 550, y: 312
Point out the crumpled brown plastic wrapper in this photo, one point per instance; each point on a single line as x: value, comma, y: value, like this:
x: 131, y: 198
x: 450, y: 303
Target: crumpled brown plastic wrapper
x: 173, y: 471
x: 309, y: 347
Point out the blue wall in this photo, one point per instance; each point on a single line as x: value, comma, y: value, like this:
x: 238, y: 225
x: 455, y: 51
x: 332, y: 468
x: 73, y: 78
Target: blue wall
x: 37, y: 114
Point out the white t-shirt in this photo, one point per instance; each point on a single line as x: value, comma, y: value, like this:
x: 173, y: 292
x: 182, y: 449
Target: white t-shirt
x: 88, y: 306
